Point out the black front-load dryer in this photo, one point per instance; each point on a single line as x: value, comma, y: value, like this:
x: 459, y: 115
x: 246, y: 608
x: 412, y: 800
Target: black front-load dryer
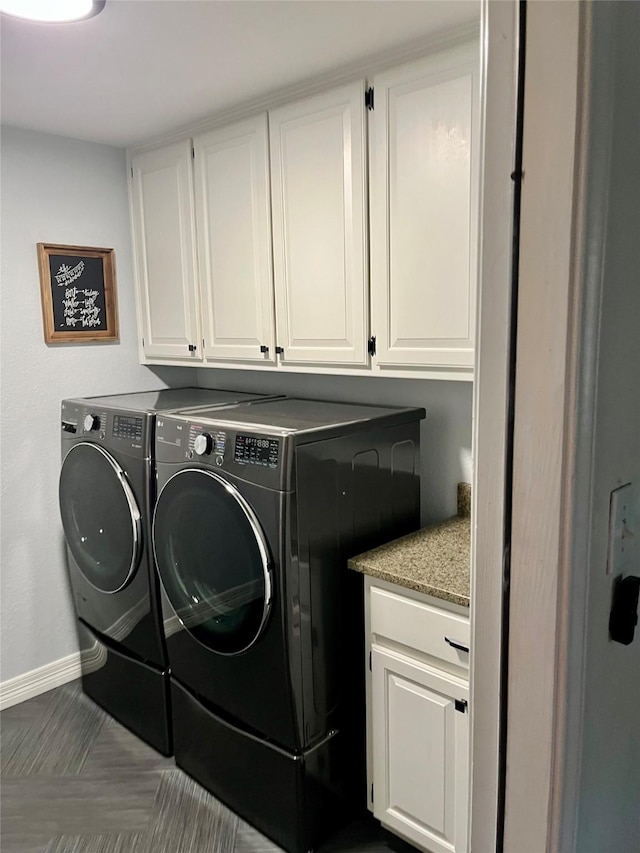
x: 259, y: 507
x: 107, y: 493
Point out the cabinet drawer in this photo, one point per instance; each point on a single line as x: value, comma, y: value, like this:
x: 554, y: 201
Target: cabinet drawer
x: 420, y: 626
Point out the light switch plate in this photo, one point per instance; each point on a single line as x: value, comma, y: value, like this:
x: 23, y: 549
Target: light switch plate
x: 624, y: 531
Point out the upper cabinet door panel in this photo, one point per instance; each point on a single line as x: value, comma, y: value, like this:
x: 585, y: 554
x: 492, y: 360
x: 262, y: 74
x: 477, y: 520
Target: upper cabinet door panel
x: 319, y: 228
x: 424, y: 199
x: 165, y: 252
x: 233, y: 221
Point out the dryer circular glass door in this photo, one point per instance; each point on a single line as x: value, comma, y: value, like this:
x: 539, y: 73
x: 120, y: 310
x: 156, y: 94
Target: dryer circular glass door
x: 100, y: 517
x: 213, y: 560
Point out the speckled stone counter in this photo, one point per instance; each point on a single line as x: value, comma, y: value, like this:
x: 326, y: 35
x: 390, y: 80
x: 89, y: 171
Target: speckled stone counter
x: 434, y: 560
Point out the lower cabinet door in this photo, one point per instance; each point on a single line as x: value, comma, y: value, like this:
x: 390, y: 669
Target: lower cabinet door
x: 420, y: 725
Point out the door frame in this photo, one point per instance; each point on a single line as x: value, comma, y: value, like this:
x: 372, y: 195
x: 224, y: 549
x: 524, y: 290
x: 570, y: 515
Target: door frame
x: 570, y: 94
x: 566, y: 152
x: 499, y: 39
x: 544, y: 381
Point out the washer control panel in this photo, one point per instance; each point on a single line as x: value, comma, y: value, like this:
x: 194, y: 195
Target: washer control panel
x: 119, y: 430
x: 127, y: 427
x: 261, y: 457
x: 254, y: 450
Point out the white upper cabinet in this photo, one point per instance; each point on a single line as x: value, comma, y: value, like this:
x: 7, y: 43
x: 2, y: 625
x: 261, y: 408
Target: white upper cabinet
x: 319, y: 228
x: 277, y: 245
x: 165, y: 252
x: 424, y: 136
x: 233, y: 224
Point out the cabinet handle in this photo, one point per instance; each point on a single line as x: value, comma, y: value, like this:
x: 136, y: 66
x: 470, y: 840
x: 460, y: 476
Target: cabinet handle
x: 264, y: 349
x: 192, y: 347
x: 279, y: 350
x: 456, y: 645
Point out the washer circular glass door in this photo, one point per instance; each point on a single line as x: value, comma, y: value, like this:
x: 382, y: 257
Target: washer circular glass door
x: 100, y: 517
x: 213, y: 560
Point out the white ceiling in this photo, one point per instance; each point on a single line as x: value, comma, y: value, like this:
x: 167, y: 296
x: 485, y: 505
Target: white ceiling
x: 143, y: 67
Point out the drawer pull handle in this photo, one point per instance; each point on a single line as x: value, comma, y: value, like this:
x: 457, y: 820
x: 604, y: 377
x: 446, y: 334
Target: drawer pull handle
x: 456, y: 645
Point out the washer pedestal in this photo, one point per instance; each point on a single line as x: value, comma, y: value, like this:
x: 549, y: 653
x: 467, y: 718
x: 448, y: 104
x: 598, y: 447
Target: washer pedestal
x: 133, y: 692
x: 294, y: 799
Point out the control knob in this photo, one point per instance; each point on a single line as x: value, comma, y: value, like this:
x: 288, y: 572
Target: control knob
x: 203, y: 444
x: 91, y: 422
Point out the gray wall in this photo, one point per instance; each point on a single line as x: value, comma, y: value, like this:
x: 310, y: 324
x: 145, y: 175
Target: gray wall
x: 445, y: 433
x: 54, y: 190
x: 609, y: 785
x: 57, y: 190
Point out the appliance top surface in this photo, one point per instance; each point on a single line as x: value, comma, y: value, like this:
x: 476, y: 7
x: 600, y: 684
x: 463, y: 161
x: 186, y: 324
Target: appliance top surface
x: 291, y: 416
x: 167, y: 399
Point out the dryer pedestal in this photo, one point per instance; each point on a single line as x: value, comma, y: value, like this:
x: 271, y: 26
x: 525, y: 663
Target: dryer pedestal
x: 133, y: 692
x: 294, y: 799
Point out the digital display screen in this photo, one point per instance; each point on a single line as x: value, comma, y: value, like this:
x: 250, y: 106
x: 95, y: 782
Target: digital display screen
x: 127, y: 427
x: 251, y: 450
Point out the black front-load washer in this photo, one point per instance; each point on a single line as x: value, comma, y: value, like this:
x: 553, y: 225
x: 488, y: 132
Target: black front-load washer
x: 259, y: 508
x: 107, y: 493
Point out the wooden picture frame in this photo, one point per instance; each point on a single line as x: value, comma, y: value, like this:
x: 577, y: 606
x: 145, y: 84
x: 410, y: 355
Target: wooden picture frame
x: 78, y: 294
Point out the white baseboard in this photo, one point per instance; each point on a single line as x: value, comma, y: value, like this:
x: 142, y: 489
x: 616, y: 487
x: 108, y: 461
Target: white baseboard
x: 23, y: 687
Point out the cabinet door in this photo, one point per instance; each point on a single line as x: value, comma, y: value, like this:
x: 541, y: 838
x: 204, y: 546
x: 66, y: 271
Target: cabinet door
x: 424, y: 199
x: 319, y: 233
x: 233, y: 222
x: 420, y: 752
x: 165, y: 252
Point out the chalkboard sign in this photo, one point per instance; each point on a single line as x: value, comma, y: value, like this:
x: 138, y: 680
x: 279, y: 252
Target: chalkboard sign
x: 77, y: 287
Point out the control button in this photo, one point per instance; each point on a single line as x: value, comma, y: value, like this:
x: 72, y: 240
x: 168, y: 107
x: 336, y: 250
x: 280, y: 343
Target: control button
x: 91, y: 422
x: 219, y: 461
x: 202, y: 444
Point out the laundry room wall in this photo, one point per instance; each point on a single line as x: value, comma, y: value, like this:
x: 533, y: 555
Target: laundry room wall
x: 60, y: 190
x: 445, y: 434
x: 607, y: 744
x: 54, y: 190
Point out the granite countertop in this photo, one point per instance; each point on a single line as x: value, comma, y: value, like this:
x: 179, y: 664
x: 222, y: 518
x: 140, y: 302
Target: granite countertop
x: 434, y: 560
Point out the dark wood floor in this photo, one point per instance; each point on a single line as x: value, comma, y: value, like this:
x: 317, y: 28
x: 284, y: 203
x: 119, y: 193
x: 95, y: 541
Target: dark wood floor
x: 75, y: 781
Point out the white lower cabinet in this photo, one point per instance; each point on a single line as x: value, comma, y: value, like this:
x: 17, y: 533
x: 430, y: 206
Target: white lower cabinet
x: 418, y: 725
x: 420, y: 752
